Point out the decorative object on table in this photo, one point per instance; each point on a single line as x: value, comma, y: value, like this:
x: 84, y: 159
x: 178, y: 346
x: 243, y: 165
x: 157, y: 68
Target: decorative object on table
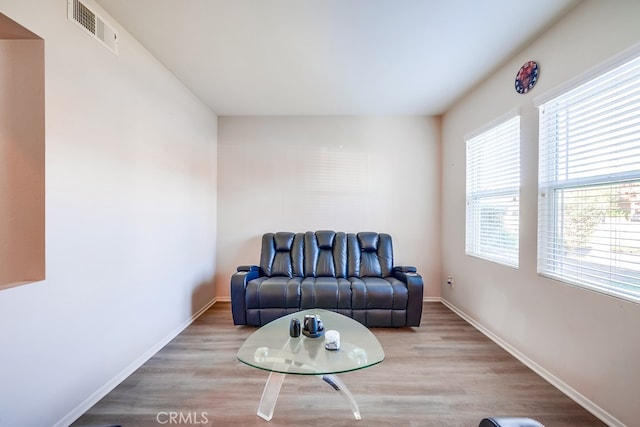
x: 527, y: 77
x: 294, y: 328
x: 261, y: 354
x: 312, y: 326
x: 332, y: 340
x: 359, y: 356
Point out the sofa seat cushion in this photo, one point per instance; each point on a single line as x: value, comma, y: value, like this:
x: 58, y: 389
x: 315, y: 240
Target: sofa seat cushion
x: 273, y: 292
x: 262, y: 316
x: 328, y: 293
x: 381, y: 318
x: 378, y: 293
x: 379, y: 302
x: 269, y: 298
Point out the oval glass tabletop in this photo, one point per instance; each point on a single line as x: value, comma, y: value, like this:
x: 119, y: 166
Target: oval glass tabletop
x: 272, y: 349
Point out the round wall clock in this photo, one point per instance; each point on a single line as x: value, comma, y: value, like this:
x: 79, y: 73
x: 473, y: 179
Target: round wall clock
x: 527, y: 77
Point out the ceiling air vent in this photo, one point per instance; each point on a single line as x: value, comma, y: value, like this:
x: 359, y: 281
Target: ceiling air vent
x: 92, y: 23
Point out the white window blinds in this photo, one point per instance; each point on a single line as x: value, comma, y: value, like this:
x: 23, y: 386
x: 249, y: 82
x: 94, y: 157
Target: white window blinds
x: 589, y: 184
x: 493, y: 186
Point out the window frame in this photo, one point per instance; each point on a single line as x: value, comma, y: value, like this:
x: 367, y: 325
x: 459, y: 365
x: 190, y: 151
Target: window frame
x: 554, y: 260
x: 493, y: 198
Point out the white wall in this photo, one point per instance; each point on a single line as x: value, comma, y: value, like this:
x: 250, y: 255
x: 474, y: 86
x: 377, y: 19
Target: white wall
x: 130, y: 223
x: 586, y: 341
x: 338, y: 173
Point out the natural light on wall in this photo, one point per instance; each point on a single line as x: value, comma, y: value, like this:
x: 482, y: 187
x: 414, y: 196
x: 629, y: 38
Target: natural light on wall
x: 493, y: 192
x: 589, y: 183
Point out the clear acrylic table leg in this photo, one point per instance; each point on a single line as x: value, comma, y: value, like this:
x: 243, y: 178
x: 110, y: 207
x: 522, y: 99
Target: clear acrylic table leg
x: 341, y: 388
x: 272, y: 390
x: 270, y: 395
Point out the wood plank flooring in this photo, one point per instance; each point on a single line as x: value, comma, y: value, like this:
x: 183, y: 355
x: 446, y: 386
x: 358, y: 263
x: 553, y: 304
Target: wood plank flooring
x: 444, y: 373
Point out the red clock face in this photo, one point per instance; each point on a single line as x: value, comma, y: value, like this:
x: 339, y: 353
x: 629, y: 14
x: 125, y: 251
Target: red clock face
x: 527, y: 77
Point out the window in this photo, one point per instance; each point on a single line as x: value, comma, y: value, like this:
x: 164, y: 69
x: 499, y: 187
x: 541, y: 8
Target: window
x: 493, y: 186
x: 589, y: 184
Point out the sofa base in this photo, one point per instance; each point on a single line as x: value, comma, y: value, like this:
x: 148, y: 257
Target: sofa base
x: 374, y: 318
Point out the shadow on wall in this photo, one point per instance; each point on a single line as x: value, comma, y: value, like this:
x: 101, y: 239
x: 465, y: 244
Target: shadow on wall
x: 203, y: 294
x: 246, y: 252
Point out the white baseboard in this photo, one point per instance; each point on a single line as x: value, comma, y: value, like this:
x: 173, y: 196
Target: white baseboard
x: 122, y: 375
x: 565, y: 388
x: 223, y: 299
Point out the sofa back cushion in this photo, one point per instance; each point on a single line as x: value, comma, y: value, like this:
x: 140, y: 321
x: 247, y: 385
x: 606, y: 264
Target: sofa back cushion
x: 370, y: 254
x: 325, y: 254
x: 282, y: 254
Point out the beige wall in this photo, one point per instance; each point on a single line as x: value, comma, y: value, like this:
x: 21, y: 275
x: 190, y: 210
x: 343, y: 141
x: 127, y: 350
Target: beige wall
x: 585, y: 342
x: 130, y: 223
x: 22, y: 203
x: 339, y: 173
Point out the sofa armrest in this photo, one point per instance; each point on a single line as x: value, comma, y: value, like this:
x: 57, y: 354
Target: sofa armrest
x: 405, y: 269
x: 239, y: 281
x: 415, y: 287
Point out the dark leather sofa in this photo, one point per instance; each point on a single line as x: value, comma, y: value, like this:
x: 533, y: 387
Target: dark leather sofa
x: 352, y: 274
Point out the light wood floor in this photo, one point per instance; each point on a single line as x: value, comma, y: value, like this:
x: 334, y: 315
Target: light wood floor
x: 444, y: 373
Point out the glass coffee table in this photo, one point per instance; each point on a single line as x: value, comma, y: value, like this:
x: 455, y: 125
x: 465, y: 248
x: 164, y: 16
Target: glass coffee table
x: 272, y: 349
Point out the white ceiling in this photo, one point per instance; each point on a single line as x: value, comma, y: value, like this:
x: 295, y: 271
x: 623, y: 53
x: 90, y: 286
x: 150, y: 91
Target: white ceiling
x: 333, y: 57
